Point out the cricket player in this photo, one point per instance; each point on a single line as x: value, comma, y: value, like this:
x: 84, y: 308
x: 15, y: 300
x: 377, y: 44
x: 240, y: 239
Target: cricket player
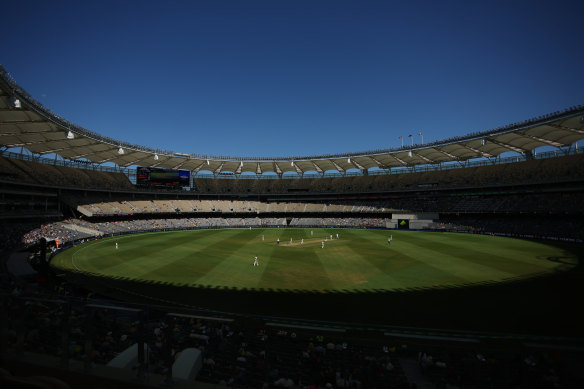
x: 255, y: 261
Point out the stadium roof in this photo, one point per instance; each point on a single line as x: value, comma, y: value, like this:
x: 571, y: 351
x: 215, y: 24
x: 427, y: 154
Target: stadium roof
x: 24, y: 122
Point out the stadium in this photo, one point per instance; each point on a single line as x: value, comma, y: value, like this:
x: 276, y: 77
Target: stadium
x: 291, y: 194
x: 438, y: 243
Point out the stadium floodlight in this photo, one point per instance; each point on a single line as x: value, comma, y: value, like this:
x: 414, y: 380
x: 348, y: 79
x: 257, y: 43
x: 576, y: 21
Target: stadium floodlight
x: 70, y: 135
x: 16, y: 102
x: 156, y: 157
x: 120, y: 151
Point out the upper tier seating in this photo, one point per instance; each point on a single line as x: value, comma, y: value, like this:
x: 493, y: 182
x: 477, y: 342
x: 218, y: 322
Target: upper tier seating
x: 61, y: 176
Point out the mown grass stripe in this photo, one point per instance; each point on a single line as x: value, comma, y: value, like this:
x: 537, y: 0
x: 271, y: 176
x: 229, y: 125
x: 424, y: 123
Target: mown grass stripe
x: 361, y: 260
x: 488, y: 251
x: 196, y: 262
x: 155, y: 257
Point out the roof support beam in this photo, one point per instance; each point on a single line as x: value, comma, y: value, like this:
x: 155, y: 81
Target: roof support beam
x: 258, y: 169
x: 53, y: 150
x: 338, y: 167
x: 60, y: 149
x: 70, y: 145
x: 198, y: 168
x: 28, y: 122
x: 81, y: 155
x: 218, y: 170
x: 8, y: 109
x: 317, y: 168
x: 423, y: 157
x: 10, y: 145
x: 508, y: 146
x: 357, y: 164
x: 106, y: 160
x: 25, y: 143
x: 542, y: 140
x: 277, y: 168
x: 487, y: 155
x: 132, y: 162
x: 576, y: 130
x: 298, y: 170
x: 447, y: 154
x: 139, y: 160
x: 379, y: 164
x: 239, y: 168
x: 404, y: 163
x: 180, y: 164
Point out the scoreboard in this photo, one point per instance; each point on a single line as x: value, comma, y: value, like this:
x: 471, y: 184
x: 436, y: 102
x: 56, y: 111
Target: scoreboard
x: 162, y: 178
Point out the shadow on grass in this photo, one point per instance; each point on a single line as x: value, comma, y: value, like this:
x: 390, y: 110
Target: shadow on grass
x: 544, y: 304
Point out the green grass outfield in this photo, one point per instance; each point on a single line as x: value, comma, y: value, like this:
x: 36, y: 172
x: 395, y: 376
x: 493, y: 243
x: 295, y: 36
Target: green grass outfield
x: 360, y: 260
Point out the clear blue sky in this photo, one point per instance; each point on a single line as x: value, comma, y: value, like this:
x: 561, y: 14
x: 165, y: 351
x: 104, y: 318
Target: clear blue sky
x: 293, y: 77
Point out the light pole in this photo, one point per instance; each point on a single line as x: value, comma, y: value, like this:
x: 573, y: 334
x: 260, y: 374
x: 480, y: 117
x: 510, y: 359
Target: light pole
x: 412, y: 138
x: 421, y: 136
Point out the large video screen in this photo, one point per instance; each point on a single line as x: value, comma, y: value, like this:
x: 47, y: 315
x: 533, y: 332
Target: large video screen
x: 162, y: 178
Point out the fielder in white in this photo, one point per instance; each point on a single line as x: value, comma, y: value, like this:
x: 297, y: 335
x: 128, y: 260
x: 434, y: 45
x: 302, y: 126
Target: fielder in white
x: 255, y: 261
x: 116, y: 245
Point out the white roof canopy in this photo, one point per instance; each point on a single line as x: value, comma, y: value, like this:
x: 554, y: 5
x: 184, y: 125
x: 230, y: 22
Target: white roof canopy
x: 26, y: 123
